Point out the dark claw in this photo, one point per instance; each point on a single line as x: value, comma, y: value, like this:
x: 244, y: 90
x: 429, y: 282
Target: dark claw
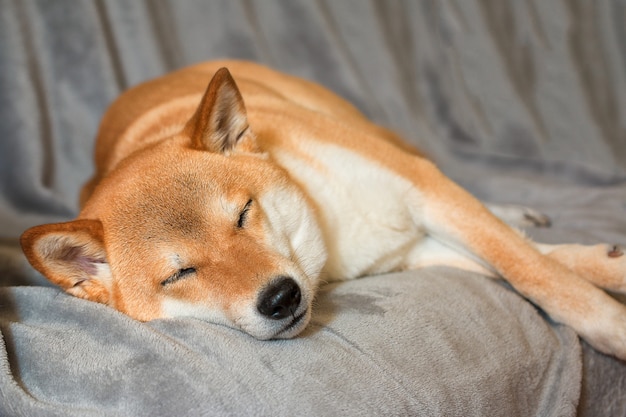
x: 615, y: 252
x: 540, y: 220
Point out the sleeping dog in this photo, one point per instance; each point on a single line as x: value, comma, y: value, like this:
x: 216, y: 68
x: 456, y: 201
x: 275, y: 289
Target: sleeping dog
x: 231, y: 202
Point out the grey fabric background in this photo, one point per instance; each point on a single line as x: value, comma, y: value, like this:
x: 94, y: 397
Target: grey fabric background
x: 519, y: 101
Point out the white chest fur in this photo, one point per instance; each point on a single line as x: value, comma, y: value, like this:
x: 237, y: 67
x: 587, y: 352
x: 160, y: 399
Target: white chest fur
x: 366, y: 212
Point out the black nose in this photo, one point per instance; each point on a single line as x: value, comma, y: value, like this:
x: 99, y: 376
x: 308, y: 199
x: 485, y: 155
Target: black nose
x: 280, y: 299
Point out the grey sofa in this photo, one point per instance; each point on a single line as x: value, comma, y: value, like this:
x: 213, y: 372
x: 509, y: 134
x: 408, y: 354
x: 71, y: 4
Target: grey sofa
x: 520, y: 102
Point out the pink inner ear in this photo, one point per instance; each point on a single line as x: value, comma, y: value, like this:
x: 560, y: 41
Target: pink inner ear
x: 77, y: 256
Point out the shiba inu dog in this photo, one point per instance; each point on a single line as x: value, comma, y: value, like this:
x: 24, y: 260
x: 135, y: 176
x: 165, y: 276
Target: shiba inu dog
x: 230, y: 204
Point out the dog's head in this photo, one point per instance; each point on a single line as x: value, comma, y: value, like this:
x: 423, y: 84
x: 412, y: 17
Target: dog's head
x: 202, y: 224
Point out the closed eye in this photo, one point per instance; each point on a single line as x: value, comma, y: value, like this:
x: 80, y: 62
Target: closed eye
x: 180, y: 274
x: 243, y: 215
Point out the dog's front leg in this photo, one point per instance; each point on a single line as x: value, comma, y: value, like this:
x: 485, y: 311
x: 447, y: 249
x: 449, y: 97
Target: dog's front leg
x: 455, y: 218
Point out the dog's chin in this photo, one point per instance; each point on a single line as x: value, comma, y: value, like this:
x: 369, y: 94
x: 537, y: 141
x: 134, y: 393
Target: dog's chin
x: 289, y: 329
x: 294, y: 327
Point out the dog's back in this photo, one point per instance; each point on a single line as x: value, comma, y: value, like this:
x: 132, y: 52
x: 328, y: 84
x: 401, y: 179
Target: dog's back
x: 150, y: 111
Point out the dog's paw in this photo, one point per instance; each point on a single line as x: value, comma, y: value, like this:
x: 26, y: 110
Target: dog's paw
x: 611, y: 267
x: 616, y: 266
x: 520, y: 216
x: 603, y: 265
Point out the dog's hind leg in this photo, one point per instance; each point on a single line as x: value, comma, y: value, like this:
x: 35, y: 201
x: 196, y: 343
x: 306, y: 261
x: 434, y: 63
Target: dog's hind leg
x: 451, y: 215
x: 603, y: 265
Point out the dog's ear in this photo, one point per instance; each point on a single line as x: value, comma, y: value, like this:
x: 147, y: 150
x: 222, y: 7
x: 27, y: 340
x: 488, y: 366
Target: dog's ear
x: 71, y: 255
x: 220, y: 121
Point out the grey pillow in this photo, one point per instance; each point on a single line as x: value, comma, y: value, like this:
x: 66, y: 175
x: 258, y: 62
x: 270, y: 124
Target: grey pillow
x: 433, y: 342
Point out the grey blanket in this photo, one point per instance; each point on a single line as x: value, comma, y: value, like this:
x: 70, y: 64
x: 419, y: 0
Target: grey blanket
x: 520, y: 102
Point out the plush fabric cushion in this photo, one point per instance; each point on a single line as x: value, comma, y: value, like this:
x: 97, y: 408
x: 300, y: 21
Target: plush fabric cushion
x: 434, y: 342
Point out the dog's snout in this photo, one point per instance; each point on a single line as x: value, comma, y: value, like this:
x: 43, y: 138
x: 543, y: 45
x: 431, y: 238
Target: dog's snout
x: 280, y: 299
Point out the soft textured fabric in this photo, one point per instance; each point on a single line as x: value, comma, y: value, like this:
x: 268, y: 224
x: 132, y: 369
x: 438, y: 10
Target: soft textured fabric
x: 520, y: 102
x: 405, y: 344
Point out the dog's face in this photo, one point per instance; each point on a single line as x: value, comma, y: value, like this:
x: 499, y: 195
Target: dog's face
x: 201, y: 225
